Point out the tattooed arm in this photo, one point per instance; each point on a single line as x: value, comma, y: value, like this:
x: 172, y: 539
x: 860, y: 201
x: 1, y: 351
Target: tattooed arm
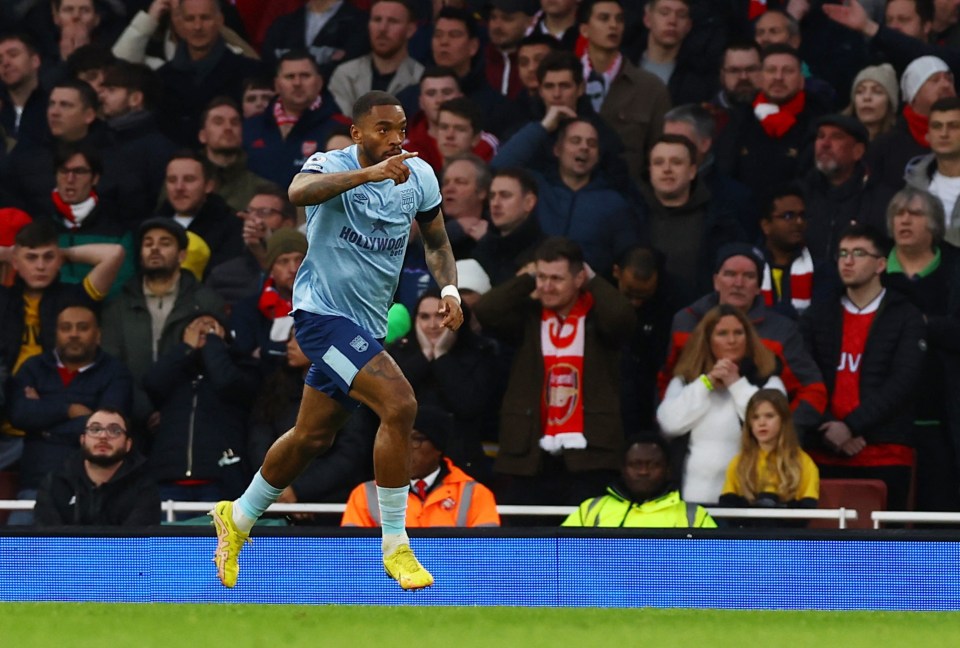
x: 443, y: 267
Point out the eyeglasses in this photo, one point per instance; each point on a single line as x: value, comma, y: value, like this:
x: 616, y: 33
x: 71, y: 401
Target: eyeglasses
x: 113, y: 430
x: 856, y: 253
x: 77, y: 171
x: 791, y: 215
x: 742, y: 71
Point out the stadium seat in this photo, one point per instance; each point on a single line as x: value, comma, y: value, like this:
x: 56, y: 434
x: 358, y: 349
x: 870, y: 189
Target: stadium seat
x: 8, y: 491
x: 863, y: 495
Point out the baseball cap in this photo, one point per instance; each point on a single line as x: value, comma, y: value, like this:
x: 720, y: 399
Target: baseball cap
x: 167, y: 224
x: 849, y: 125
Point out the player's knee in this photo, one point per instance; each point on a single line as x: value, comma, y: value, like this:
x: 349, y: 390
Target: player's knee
x: 401, y: 409
x: 316, y: 441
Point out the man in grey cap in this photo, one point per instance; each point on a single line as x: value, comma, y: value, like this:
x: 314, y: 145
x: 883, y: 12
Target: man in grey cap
x: 839, y: 191
x: 148, y: 317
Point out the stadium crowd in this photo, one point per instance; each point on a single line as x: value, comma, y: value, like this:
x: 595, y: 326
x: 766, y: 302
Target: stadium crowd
x: 666, y: 214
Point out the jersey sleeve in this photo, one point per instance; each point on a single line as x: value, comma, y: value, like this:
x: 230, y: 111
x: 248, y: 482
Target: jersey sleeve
x: 331, y: 162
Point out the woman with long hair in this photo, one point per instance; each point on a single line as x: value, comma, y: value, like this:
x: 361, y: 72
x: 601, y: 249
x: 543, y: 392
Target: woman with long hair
x: 771, y: 469
x: 874, y: 99
x: 722, y: 365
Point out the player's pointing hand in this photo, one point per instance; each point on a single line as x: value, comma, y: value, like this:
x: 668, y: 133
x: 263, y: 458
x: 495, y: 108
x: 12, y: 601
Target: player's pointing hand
x: 393, y: 168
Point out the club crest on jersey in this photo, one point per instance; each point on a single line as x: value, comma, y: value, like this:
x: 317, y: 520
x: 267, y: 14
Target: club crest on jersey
x: 359, y: 344
x: 406, y: 199
x: 308, y: 148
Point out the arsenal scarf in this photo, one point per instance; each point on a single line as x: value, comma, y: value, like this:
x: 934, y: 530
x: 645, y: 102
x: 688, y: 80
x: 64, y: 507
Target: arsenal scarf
x: 276, y: 309
x: 562, y: 344
x: 283, y: 118
x: 801, y: 282
x: 777, y: 120
x: 917, y: 125
x: 73, y: 215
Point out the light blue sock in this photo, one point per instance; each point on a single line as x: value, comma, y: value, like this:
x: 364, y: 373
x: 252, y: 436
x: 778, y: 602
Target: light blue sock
x: 257, y: 498
x: 393, y: 509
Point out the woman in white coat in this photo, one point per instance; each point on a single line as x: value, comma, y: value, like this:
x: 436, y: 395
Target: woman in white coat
x: 722, y: 365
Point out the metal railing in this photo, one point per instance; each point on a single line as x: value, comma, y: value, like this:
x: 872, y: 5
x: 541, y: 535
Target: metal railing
x: 914, y: 517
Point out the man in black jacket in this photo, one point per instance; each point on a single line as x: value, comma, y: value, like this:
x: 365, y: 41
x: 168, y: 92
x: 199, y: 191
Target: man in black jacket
x: 870, y: 350
x: 104, y: 484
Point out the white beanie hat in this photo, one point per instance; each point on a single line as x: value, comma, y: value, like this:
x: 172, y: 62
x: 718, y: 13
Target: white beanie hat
x: 471, y: 276
x: 917, y: 74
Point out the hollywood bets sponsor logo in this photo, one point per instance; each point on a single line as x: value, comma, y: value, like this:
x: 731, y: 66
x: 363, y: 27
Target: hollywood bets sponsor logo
x: 563, y: 390
x: 393, y: 245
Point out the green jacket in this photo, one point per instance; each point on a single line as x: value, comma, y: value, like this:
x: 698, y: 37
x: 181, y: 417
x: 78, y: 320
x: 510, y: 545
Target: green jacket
x: 615, y: 510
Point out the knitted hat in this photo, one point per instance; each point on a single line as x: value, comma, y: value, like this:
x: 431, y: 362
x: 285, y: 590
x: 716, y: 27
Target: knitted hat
x: 739, y: 249
x: 884, y: 75
x: 284, y: 241
x: 435, y: 424
x: 471, y: 276
x: 917, y: 74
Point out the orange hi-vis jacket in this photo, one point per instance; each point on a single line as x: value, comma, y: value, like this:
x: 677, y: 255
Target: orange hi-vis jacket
x: 456, y: 500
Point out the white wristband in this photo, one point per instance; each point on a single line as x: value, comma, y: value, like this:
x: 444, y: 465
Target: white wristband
x: 450, y: 291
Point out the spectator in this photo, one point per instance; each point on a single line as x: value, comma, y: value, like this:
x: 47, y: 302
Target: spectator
x: 455, y: 371
x: 192, y: 203
x: 669, y: 23
x: 531, y: 50
x: 88, y: 63
x: 258, y: 92
x: 761, y: 148
x: 202, y: 68
x: 104, y: 484
x: 23, y: 102
x: 507, y: 22
x: 459, y: 131
x: 869, y: 347
x: 642, y: 496
x: 464, y: 187
x: 388, y: 66
x: 722, y: 365
x: 874, y: 98
x: 839, y: 190
x: 441, y: 494
x: 927, y: 270
x: 291, y: 129
x: 147, y: 319
x: 631, y: 100
x: 514, y: 231
x: 261, y: 323
x: 53, y: 394
x: 558, y: 19
x: 926, y: 80
x: 202, y: 388
x: 771, y: 471
x: 331, y: 32
x: 77, y: 23
x: 575, y: 198
x: 642, y: 281
x: 438, y: 86
x: 682, y: 220
x: 221, y: 136
x: 128, y: 97
x: 736, y: 282
x: 560, y: 418
x: 740, y: 75
x: 268, y: 211
x: 939, y: 172
x: 329, y: 477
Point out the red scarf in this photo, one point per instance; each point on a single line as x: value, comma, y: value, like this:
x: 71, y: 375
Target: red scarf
x: 756, y: 9
x: 918, y: 125
x: 271, y: 304
x: 283, y: 118
x: 777, y: 120
x: 562, y: 345
x: 801, y: 282
x: 66, y: 210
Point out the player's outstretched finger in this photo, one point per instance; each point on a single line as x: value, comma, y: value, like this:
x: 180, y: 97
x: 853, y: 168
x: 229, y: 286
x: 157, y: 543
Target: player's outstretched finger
x: 407, y: 155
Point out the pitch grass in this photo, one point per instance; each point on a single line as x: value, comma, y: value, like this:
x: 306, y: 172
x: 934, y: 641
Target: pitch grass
x: 81, y: 625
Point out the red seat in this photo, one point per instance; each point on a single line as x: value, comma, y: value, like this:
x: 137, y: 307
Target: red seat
x: 8, y: 490
x: 863, y: 495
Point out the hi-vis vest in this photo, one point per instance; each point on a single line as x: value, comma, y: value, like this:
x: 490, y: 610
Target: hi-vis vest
x: 613, y: 510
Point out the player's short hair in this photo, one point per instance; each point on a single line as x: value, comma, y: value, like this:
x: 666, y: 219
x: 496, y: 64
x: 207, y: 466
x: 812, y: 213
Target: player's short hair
x: 38, y: 233
x: 88, y: 96
x: 67, y: 150
x: 464, y: 107
x: 366, y: 103
x: 558, y: 61
x: 523, y: 178
x: 206, y: 165
x: 558, y: 248
x: 297, y: 54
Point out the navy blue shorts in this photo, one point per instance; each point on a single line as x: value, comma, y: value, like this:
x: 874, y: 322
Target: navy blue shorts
x: 337, y: 348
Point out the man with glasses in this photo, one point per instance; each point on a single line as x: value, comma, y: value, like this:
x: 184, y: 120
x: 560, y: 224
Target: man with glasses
x: 53, y: 394
x: 870, y: 349
x: 104, y: 484
x: 740, y: 76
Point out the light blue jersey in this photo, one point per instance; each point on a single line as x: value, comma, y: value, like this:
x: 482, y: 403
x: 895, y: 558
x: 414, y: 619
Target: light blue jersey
x: 358, y: 240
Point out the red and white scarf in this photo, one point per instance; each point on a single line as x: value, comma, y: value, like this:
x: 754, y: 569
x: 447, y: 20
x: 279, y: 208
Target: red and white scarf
x: 562, y: 344
x: 274, y: 307
x: 778, y: 119
x: 597, y: 95
x: 283, y: 118
x: 801, y: 282
x: 73, y: 215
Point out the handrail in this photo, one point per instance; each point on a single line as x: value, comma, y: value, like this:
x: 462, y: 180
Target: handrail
x: 171, y: 507
x: 908, y: 517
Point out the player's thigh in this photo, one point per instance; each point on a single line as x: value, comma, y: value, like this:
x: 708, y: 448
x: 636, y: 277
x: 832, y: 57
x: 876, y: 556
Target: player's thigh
x: 381, y: 386
x: 320, y: 416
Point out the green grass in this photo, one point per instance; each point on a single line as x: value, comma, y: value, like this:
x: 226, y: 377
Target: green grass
x: 29, y: 625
